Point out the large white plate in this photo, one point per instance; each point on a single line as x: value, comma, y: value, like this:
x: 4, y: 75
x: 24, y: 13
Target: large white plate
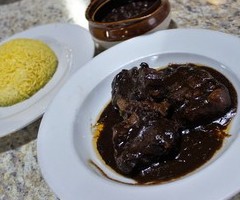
x: 73, y: 46
x: 65, y: 137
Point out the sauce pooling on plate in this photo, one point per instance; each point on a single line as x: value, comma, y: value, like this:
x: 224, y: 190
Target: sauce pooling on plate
x: 163, y: 124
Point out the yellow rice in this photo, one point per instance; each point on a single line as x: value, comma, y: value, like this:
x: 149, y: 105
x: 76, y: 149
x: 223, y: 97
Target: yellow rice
x: 26, y: 65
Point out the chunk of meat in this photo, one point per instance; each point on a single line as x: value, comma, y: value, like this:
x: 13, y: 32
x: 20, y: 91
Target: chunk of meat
x: 156, y: 104
x: 139, y: 144
x: 195, y: 96
x: 138, y: 84
x: 127, y: 107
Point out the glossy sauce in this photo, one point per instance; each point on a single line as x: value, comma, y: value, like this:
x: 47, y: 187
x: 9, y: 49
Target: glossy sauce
x: 198, y: 145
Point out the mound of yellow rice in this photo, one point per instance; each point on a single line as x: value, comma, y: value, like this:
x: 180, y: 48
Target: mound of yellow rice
x: 26, y: 65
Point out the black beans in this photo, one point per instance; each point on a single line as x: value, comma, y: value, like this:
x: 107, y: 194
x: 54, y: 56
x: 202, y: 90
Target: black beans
x: 128, y: 9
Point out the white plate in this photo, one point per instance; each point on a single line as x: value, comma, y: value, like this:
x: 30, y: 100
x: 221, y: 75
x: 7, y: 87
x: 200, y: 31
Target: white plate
x: 73, y: 46
x: 65, y: 136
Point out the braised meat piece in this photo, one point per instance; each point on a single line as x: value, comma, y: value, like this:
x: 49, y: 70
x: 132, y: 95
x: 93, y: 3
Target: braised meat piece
x: 139, y: 89
x: 138, y: 143
x: 185, y: 92
x: 156, y: 105
x: 138, y: 84
x: 195, y: 96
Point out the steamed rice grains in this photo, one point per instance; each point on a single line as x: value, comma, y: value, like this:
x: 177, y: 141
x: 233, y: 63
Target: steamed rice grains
x: 26, y: 65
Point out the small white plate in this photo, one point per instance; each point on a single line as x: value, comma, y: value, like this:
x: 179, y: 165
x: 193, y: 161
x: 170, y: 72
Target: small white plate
x: 73, y: 46
x: 65, y: 146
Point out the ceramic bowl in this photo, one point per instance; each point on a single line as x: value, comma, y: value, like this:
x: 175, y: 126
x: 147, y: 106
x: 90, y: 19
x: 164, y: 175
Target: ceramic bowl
x: 107, y: 33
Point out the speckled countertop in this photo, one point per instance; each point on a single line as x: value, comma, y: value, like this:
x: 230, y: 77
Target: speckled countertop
x: 20, y: 177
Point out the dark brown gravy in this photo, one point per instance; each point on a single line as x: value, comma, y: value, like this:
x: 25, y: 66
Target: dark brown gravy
x: 198, y: 145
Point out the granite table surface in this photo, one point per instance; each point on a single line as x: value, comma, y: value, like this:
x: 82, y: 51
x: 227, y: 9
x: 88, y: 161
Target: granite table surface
x: 20, y: 176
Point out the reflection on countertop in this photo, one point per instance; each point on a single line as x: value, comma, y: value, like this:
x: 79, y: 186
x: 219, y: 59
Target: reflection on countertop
x: 19, y: 170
